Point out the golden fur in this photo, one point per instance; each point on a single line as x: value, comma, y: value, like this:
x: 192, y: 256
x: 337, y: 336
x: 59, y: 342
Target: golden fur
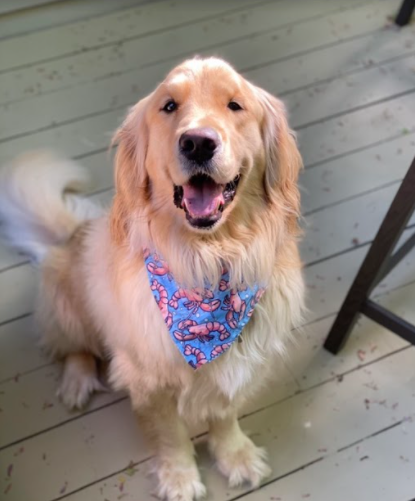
x: 95, y: 299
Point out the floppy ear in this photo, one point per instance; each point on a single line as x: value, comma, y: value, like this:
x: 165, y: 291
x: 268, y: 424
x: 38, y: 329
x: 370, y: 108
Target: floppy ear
x: 283, y: 160
x: 131, y: 178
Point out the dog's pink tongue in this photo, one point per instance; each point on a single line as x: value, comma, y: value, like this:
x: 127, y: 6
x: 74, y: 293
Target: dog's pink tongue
x: 203, y: 199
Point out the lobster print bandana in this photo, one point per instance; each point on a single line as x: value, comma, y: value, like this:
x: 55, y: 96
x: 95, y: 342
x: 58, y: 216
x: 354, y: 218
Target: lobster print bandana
x: 203, y: 322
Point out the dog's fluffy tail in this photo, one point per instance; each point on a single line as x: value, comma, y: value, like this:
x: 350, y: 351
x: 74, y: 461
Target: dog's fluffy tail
x: 40, y: 205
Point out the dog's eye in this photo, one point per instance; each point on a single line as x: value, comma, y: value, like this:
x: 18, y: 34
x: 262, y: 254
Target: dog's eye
x: 234, y: 106
x: 170, y: 106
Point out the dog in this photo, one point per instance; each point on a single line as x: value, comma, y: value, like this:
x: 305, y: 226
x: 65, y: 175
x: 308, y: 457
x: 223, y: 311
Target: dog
x: 206, y: 199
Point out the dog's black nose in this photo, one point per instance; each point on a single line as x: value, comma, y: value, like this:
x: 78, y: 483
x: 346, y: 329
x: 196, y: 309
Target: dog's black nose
x: 199, y: 145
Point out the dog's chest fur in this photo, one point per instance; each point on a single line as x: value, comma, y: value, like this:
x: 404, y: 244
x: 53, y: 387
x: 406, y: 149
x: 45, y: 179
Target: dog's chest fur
x: 145, y: 359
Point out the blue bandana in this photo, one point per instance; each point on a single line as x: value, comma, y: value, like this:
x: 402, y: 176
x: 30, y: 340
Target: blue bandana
x: 203, y: 322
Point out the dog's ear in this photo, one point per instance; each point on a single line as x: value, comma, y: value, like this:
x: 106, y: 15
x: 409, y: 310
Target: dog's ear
x: 131, y: 177
x: 283, y: 160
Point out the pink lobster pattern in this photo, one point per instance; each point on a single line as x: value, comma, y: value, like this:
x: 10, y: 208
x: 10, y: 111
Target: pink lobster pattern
x: 158, y: 266
x: 202, y: 332
x: 200, y: 356
x: 202, y: 322
x: 259, y: 293
x: 162, y: 302
x: 235, y: 306
x: 196, y: 298
x: 219, y: 349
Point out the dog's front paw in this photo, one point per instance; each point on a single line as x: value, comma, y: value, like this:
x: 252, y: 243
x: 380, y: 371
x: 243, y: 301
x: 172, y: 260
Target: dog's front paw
x: 79, y: 382
x: 242, y: 462
x: 180, y: 484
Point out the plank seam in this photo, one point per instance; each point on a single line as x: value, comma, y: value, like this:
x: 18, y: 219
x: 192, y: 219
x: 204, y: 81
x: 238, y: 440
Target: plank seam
x: 55, y: 124
x: 82, y: 19
x: 358, y: 150
x: 106, y: 477
x: 299, y: 391
x: 180, y: 25
x: 376, y: 433
x: 310, y: 463
x: 271, y: 30
x: 355, y: 108
x: 339, y: 253
x: 345, y: 251
x: 317, y: 48
x: 250, y: 491
x: 144, y: 460
x: 184, y: 54
x: 242, y: 70
x: 347, y: 73
x: 63, y: 423
x: 14, y: 319
x: 19, y: 10
x: 26, y: 373
x: 351, y: 197
x: 137, y: 37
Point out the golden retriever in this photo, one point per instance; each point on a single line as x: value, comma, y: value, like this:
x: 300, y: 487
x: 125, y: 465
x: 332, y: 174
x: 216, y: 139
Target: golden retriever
x: 206, y: 176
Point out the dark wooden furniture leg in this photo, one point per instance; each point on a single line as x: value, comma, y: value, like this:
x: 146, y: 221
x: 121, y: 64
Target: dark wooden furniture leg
x: 405, y: 12
x: 378, y: 262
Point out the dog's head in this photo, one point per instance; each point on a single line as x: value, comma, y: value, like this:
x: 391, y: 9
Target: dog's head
x: 205, y: 142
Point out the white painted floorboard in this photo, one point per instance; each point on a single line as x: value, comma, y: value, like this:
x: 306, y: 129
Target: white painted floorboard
x: 336, y: 428
x: 54, y: 13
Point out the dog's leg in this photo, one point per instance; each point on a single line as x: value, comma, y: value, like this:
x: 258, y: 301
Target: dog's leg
x: 67, y: 332
x: 167, y: 434
x: 79, y: 380
x: 238, y: 458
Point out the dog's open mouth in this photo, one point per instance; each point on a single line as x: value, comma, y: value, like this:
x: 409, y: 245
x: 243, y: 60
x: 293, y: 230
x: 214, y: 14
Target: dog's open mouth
x: 204, y: 200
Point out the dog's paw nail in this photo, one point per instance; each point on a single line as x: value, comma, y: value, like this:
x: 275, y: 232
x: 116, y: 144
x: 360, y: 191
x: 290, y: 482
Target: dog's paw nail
x: 181, y: 485
x: 75, y: 393
x: 246, y: 464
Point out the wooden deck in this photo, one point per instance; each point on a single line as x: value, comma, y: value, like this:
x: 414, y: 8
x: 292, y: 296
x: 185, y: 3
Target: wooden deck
x: 336, y: 428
